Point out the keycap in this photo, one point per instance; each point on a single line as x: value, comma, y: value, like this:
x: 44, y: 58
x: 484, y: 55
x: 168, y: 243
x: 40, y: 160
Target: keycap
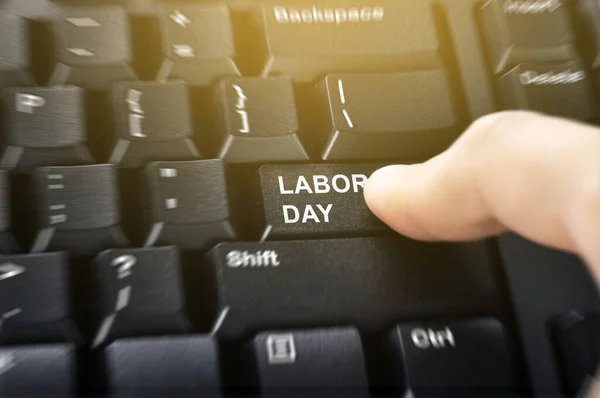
x: 577, y: 344
x: 44, y: 126
x: 558, y: 89
x: 14, y: 52
x: 78, y: 209
x: 315, y: 362
x: 317, y: 200
x: 367, y: 282
x: 37, y: 371
x: 189, y: 205
x: 258, y: 120
x: 403, y: 116
x: 164, y: 366
x: 152, y: 122
x: 35, y: 303
x: 519, y: 31
x: 588, y: 12
x: 93, y: 47
x: 308, y: 41
x: 467, y: 358
x: 197, y: 42
x: 7, y: 240
x: 140, y: 293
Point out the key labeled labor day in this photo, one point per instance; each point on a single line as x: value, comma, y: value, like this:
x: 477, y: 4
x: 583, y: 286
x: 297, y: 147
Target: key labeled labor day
x: 316, y: 200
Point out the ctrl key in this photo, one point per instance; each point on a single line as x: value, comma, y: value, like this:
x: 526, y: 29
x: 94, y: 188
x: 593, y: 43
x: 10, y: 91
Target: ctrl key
x: 464, y: 359
x: 37, y: 371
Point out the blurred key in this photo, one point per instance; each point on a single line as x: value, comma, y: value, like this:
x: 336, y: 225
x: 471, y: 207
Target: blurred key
x: 152, y: 122
x: 577, y: 344
x: 7, y: 240
x: 38, y: 371
x: 527, y: 30
x: 140, y: 293
x: 258, y: 120
x: 316, y: 363
x: 469, y: 358
x: 316, y: 200
x: 563, y: 89
x: 93, y: 47
x: 197, y: 42
x: 164, y: 367
x: 35, y: 303
x: 367, y: 282
x: 78, y: 209
x: 308, y: 41
x: 403, y: 116
x: 14, y: 51
x: 189, y: 205
x: 44, y: 126
x: 589, y: 14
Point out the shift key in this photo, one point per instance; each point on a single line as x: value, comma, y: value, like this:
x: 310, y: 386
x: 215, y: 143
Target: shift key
x: 312, y: 200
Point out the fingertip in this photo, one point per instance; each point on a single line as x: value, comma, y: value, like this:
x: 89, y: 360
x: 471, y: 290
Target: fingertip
x: 381, y: 188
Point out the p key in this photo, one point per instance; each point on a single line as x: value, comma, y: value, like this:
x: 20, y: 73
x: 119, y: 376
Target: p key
x: 78, y: 209
x: 258, y: 120
x: 189, y: 204
x: 152, y: 122
x: 405, y: 116
x: 45, y: 126
x: 93, y: 47
x: 197, y: 42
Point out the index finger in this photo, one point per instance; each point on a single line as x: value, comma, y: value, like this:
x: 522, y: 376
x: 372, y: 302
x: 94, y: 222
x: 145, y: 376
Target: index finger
x: 536, y: 175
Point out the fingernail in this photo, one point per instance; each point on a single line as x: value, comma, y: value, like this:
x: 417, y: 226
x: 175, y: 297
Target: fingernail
x: 381, y: 183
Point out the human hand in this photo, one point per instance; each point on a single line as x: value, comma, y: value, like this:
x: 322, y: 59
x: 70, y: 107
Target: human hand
x: 536, y: 175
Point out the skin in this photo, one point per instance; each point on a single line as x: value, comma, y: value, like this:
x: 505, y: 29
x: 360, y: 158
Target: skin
x: 536, y: 175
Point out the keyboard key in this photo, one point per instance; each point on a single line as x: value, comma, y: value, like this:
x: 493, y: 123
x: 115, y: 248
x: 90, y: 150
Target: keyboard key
x: 317, y: 200
x: 78, y: 209
x: 38, y: 371
x: 140, y: 292
x: 197, y: 42
x: 152, y: 122
x: 589, y: 18
x: 306, y: 42
x: 465, y: 359
x: 520, y: 31
x: 7, y: 240
x: 188, y: 204
x: 316, y: 363
x: 164, y: 366
x: 559, y: 89
x: 367, y: 282
x: 259, y: 121
x: 577, y: 344
x: 45, y: 126
x: 93, y: 47
x: 35, y: 304
x: 407, y: 116
x: 14, y: 52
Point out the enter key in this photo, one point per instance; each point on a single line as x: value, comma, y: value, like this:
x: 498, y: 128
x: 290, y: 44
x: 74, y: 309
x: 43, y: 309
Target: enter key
x: 317, y: 200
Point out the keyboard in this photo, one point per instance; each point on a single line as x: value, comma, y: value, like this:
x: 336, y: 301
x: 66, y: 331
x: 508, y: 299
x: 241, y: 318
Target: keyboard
x: 181, y: 209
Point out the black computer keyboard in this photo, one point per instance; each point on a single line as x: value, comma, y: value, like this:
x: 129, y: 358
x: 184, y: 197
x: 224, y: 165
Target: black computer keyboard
x: 181, y: 210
